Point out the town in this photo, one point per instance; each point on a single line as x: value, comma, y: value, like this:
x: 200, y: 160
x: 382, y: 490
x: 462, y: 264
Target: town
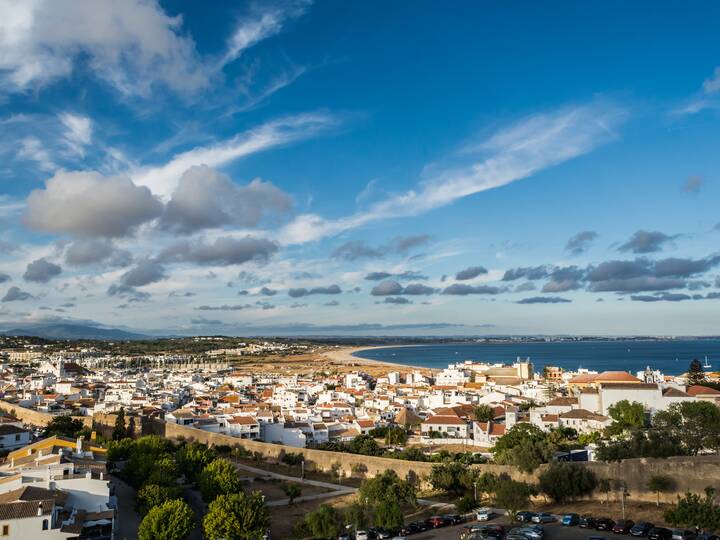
x: 68, y: 406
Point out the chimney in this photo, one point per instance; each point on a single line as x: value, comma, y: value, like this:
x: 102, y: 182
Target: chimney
x: 40, y: 509
x: 78, y: 444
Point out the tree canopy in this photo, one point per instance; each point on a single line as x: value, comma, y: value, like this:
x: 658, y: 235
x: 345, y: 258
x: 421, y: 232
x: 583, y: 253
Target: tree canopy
x: 236, y: 516
x: 563, y: 481
x: 64, y: 426
x: 525, y: 446
x: 219, y: 477
x: 172, y: 520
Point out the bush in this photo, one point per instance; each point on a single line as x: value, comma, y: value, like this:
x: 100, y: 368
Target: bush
x: 465, y: 504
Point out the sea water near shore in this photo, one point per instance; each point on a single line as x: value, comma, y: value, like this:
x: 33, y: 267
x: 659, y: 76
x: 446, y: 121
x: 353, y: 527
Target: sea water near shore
x: 671, y: 357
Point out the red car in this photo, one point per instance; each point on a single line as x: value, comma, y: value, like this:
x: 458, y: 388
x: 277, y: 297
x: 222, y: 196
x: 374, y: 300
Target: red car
x: 435, y: 522
x: 623, y: 526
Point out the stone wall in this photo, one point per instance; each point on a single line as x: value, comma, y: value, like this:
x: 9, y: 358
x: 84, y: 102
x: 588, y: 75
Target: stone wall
x: 689, y: 473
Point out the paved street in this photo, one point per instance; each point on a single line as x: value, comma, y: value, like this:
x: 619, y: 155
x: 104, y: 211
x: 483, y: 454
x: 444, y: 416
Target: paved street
x: 553, y: 531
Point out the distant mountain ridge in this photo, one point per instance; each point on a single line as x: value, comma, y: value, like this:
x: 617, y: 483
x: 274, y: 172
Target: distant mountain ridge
x: 73, y: 331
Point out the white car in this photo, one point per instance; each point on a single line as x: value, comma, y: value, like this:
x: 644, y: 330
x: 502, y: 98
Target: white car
x: 484, y: 514
x: 361, y: 535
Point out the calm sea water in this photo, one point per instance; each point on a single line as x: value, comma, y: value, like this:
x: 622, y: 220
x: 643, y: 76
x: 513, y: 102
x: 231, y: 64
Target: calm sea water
x: 671, y: 357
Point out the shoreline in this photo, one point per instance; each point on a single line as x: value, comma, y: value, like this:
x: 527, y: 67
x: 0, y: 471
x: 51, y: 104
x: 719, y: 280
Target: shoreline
x: 345, y: 355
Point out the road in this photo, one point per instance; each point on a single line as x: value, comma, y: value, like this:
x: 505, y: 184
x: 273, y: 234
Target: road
x: 553, y: 531
x: 128, y: 520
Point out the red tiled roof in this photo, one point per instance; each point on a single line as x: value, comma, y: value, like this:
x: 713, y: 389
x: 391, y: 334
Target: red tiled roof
x: 699, y: 390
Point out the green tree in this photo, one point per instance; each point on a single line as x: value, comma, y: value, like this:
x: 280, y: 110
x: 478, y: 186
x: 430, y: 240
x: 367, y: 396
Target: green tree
x: 388, y: 514
x: 387, y: 486
x: 396, y: 435
x: 236, y: 516
x: 152, y: 495
x: 172, y: 520
x: 694, y: 510
x: 64, y: 426
x: 513, y: 496
x: 525, y: 446
x: 605, y: 485
x: 119, y: 431
x: 119, y: 450
x: 626, y: 416
x: 365, y: 445
x: 323, y: 523
x: 292, y: 490
x: 660, y: 483
x: 355, y: 514
x: 484, y: 413
x: 219, y: 477
x: 150, y: 461
x: 563, y: 481
x: 696, y: 424
x: 695, y: 374
x: 192, y: 458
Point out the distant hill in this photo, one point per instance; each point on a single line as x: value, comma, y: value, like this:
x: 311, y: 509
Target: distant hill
x: 74, y: 331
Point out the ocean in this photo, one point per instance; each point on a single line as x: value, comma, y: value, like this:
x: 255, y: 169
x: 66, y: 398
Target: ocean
x: 670, y: 357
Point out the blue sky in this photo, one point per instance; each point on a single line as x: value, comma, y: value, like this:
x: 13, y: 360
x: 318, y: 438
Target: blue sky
x: 361, y: 168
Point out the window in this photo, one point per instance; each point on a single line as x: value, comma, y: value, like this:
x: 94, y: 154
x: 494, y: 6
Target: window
x: 6, y: 530
x: 45, y: 524
x: 17, y: 437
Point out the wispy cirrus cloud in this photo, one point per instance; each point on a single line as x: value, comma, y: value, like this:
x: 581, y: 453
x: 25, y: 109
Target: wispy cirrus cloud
x: 517, y: 152
x: 163, y: 179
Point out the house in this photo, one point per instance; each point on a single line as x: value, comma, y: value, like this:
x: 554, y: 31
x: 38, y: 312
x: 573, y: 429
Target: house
x: 245, y: 427
x: 487, y: 433
x: 447, y: 426
x: 13, y: 437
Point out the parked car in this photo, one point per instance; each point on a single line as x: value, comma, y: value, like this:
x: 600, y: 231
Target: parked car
x: 659, y: 533
x: 488, y: 532
x: 604, y: 524
x: 383, y: 534
x: 531, y: 532
x: 641, y: 528
x: 683, y: 534
x: 623, y: 526
x: 422, y: 526
x: 569, y: 520
x: 364, y: 535
x: 484, y: 514
x: 435, y: 522
x: 588, y: 522
x: 707, y: 536
x: 543, y: 517
x: 524, y: 516
x: 344, y: 536
x: 453, y: 519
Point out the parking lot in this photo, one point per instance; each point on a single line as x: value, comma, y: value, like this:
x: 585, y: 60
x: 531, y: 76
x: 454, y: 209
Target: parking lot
x: 553, y: 531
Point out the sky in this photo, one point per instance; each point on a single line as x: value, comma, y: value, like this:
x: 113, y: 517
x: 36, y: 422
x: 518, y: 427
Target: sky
x: 366, y: 168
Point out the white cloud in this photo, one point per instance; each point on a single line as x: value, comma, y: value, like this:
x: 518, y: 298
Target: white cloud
x: 512, y: 154
x: 78, y: 132
x: 131, y: 45
x: 32, y: 149
x: 712, y: 85
x: 259, y: 26
x: 163, y: 179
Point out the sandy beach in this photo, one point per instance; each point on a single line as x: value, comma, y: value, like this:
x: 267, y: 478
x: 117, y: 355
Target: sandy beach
x: 344, y: 356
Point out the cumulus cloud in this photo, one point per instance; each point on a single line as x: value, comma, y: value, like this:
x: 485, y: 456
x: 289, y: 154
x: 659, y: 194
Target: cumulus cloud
x: 331, y: 303
x: 223, y: 251
x: 224, y: 307
x: 302, y: 291
x: 265, y: 291
x: 6, y: 247
x: 392, y: 287
x: 470, y: 273
x: 41, y: 271
x: 661, y: 297
x: 462, y: 289
x: 580, y: 243
x: 645, y: 242
x: 524, y: 287
x: 397, y: 300
x: 408, y: 274
x: 86, y: 251
x: 14, y: 294
x: 527, y: 272
x: 88, y: 204
x: 145, y: 272
x: 205, y: 198
x: 544, y: 300
x: 359, y: 249
x: 4, y: 278
x: 131, y: 45
x: 562, y: 279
